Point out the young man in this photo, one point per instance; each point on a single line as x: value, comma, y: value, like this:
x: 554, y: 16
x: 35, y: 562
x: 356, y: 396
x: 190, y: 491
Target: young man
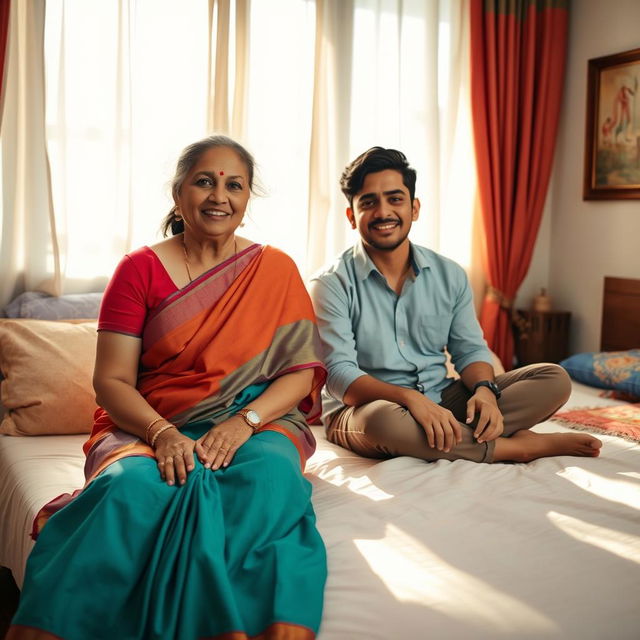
x: 387, y: 310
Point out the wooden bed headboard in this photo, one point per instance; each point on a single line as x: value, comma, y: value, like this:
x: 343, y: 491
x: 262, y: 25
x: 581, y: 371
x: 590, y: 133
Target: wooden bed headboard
x: 620, y: 314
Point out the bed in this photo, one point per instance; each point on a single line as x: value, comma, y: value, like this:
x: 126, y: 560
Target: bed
x: 549, y: 549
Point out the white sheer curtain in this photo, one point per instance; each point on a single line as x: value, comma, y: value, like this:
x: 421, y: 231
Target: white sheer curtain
x: 126, y: 90
x: 306, y: 85
x: 28, y: 247
x: 392, y: 73
x: 228, y: 66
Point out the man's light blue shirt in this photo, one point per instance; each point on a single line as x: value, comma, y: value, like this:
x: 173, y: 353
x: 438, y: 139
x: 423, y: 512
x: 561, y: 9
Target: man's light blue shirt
x: 366, y: 328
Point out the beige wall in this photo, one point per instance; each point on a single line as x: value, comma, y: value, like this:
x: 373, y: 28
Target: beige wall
x: 585, y: 240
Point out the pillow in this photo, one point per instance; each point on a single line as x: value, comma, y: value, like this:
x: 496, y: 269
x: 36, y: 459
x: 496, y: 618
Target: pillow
x: 453, y: 374
x: 497, y: 364
x: 35, y: 304
x: 48, y: 369
x: 618, y: 370
x: 2, y: 409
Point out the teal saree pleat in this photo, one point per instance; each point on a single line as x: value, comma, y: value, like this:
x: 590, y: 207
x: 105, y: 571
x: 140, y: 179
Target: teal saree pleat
x: 235, y: 550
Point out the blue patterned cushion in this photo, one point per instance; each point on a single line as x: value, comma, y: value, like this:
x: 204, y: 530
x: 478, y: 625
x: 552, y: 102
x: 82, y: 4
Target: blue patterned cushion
x: 619, y: 370
x: 42, y: 306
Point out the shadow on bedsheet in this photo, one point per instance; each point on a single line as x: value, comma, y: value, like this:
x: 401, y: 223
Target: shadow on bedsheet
x: 464, y: 550
x: 9, y: 596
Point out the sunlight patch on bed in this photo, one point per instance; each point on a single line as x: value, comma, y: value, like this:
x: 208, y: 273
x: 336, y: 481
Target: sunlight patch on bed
x: 330, y: 467
x: 413, y: 573
x: 621, y: 491
x: 360, y: 485
x: 624, y: 545
x: 629, y: 474
x: 364, y: 487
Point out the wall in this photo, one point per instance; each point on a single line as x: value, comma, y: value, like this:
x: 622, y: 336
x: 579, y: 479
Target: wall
x: 538, y: 275
x: 588, y: 239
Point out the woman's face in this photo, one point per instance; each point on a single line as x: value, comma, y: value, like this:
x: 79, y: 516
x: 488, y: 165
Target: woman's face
x: 214, y: 194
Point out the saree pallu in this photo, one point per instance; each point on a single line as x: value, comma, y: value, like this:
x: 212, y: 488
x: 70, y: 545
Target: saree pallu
x: 232, y: 554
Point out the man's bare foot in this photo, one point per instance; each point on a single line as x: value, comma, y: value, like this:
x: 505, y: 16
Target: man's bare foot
x: 525, y: 445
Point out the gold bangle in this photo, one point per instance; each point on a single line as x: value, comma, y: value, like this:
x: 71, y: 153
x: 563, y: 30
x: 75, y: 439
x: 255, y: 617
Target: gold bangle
x: 154, y: 437
x: 148, y: 428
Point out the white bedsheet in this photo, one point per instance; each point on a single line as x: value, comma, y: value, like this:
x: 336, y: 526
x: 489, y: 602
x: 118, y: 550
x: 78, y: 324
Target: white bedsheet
x: 459, y: 550
x: 33, y: 471
x: 455, y: 550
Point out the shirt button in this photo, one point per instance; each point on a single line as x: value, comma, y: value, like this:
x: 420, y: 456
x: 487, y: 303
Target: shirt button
x: 402, y: 343
x: 420, y: 388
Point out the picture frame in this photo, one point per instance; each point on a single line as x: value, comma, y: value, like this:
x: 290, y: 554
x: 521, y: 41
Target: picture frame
x: 612, y: 140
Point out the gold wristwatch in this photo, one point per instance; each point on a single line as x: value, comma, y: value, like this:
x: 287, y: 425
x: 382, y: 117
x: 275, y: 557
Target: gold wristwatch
x: 251, y: 417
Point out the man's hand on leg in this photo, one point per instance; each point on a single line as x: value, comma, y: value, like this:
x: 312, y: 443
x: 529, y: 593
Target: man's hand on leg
x: 442, y: 429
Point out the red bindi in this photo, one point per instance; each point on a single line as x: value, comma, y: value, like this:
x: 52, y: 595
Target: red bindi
x: 222, y: 173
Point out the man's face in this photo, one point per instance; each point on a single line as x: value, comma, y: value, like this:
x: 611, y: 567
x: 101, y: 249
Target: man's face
x: 382, y: 210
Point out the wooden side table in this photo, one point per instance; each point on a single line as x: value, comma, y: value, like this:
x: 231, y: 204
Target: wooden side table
x: 541, y: 336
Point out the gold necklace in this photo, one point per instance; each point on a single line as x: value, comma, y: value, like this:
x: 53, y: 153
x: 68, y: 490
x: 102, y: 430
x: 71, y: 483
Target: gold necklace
x: 186, y: 256
x: 186, y: 260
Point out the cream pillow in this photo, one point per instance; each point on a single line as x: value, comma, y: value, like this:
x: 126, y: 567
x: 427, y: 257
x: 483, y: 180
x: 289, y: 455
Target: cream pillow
x: 452, y: 373
x: 47, y: 368
x: 497, y: 364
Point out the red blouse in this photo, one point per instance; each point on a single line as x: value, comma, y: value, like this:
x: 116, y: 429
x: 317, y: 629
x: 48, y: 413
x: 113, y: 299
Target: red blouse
x: 139, y: 283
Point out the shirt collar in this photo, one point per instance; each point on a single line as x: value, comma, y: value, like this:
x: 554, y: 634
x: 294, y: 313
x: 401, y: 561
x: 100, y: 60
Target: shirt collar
x: 364, y: 264
x: 421, y: 259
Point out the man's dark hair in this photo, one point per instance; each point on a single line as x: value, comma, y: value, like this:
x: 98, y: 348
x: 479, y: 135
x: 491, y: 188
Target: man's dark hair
x: 374, y: 160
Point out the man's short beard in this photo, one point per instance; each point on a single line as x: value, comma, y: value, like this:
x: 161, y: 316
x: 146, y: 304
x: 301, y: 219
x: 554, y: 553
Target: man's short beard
x: 390, y: 247
x: 387, y: 247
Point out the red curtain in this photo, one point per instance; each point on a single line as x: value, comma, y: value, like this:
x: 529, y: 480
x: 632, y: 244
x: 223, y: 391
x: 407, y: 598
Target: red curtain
x: 5, y: 5
x: 518, y: 50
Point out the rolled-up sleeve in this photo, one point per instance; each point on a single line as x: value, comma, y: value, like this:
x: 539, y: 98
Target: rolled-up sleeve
x: 466, y: 342
x: 331, y: 304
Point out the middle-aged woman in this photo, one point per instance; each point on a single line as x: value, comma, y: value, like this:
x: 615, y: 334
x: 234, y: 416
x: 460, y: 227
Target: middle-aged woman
x: 196, y: 520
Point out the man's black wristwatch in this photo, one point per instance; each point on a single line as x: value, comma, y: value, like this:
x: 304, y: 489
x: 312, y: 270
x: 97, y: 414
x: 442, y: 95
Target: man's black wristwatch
x: 490, y: 384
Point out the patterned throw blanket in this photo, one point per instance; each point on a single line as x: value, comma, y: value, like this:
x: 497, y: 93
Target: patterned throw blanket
x: 617, y: 420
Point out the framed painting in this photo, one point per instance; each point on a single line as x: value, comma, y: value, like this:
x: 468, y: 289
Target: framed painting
x: 612, y: 145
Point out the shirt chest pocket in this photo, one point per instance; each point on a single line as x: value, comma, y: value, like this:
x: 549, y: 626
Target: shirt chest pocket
x: 434, y: 330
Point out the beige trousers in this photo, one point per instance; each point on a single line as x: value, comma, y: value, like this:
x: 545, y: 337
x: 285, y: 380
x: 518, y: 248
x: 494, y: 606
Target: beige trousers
x: 383, y: 429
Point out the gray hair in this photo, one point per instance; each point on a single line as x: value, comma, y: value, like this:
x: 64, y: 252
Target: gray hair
x: 187, y: 160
